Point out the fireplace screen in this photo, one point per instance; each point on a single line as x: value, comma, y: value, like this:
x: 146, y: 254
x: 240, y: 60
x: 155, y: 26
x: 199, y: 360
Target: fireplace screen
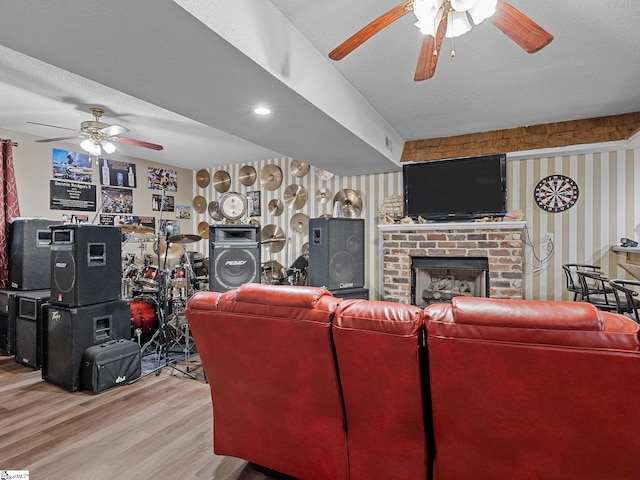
x: 439, y: 279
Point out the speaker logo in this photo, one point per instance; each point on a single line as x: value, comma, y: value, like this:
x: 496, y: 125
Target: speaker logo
x: 235, y: 263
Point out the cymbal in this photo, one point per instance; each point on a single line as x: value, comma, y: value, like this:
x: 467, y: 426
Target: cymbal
x: 276, y: 207
x: 184, y: 238
x: 323, y: 194
x: 300, y: 223
x: 305, y: 249
x: 214, y: 211
x: 350, y: 201
x: 175, y: 250
x: 203, y: 229
x: 199, y: 203
x: 270, y: 176
x: 137, y: 229
x: 221, y: 181
x: 299, y: 169
x: 202, y: 178
x: 247, y: 175
x: 272, y: 269
x: 323, y: 174
x: 295, y: 196
x: 254, y: 221
x: 272, y: 237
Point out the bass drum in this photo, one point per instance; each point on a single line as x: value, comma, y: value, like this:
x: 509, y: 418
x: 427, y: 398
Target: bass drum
x: 143, y: 317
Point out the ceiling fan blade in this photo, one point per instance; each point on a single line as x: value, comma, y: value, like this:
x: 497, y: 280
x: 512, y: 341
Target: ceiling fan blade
x: 530, y: 36
x: 430, y: 51
x: 53, y: 126
x: 370, y: 30
x: 138, y: 143
x: 59, y: 139
x: 112, y: 130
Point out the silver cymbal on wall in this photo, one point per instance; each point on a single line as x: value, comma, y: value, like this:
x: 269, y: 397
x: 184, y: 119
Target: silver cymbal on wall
x: 247, y: 175
x: 299, y: 169
x: 323, y: 174
x: 299, y: 223
x: 203, y: 178
x: 214, y: 211
x: 323, y: 194
x: 272, y: 238
x: 350, y: 202
x: 276, y: 207
x: 295, y: 196
x: 271, y: 176
x: 199, y: 204
x: 221, y: 181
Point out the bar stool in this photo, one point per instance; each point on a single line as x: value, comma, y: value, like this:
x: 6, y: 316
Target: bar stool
x: 572, y: 282
x: 626, y: 298
x: 597, y: 291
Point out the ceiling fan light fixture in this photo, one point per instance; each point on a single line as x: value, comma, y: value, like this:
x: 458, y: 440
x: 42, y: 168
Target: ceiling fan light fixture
x: 91, y: 147
x: 427, y: 12
x: 482, y: 10
x: 463, y: 5
x: 458, y: 24
x: 108, y: 147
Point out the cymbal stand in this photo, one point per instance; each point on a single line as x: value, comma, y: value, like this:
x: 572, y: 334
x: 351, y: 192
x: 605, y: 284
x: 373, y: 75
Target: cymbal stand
x: 160, y: 338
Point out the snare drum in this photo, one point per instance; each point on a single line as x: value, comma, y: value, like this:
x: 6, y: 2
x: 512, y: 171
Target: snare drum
x: 148, y: 276
x: 178, y: 276
x: 144, y: 317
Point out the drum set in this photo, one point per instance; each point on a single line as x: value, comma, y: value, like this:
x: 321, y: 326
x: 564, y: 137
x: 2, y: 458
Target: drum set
x: 158, y: 286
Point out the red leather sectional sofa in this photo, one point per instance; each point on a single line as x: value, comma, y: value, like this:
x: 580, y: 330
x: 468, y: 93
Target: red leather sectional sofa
x: 317, y: 387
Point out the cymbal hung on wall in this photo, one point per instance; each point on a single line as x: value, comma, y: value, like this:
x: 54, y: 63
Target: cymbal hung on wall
x: 199, y: 204
x: 203, y: 178
x: 254, y: 221
x: 295, y: 196
x: 299, y: 223
x: 203, y: 229
x: 214, y: 211
x: 247, y: 175
x: 272, y: 238
x: 276, y: 207
x: 323, y: 194
x: 271, y: 176
x: 221, y: 181
x: 305, y: 249
x: 350, y: 202
x: 299, y: 169
x: 323, y: 174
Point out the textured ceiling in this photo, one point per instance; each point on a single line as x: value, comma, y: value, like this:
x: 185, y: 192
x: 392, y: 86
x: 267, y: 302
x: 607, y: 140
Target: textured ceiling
x: 187, y: 73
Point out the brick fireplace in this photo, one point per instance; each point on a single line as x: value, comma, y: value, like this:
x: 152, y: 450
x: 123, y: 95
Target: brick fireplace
x: 500, y: 243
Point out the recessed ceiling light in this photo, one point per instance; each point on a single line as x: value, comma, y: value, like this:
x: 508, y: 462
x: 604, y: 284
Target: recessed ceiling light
x: 262, y: 111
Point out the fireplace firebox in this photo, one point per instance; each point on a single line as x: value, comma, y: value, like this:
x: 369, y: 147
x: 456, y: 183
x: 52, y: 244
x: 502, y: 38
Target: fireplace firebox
x: 439, y: 279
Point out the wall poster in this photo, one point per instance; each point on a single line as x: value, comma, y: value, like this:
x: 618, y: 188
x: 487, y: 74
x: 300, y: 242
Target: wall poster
x: 65, y: 195
x: 119, y: 174
x: 72, y: 166
x: 162, y: 178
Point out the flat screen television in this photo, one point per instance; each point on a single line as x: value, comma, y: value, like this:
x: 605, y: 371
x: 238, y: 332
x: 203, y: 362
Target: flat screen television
x: 456, y: 189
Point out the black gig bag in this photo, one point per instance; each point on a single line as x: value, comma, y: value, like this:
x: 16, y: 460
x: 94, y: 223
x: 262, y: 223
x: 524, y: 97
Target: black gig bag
x: 111, y: 364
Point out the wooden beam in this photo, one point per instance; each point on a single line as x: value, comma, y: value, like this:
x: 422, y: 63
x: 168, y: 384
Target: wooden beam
x: 560, y: 134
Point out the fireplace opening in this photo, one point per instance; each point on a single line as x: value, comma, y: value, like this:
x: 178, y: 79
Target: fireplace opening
x: 439, y: 279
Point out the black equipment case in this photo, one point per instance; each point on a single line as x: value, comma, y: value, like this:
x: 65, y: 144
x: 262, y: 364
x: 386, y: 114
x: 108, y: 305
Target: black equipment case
x: 111, y: 364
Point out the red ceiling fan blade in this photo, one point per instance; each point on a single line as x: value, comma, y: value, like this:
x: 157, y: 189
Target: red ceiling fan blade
x: 530, y: 36
x: 430, y: 51
x: 370, y: 30
x: 137, y: 143
x: 45, y: 140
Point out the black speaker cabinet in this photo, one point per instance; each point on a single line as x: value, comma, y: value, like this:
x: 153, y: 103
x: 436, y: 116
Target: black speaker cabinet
x: 7, y: 322
x: 28, y: 347
x: 85, y: 264
x: 69, y: 331
x: 234, y: 256
x: 336, y: 253
x: 30, y: 253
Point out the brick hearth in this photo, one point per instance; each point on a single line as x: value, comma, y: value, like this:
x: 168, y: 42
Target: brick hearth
x: 501, y: 242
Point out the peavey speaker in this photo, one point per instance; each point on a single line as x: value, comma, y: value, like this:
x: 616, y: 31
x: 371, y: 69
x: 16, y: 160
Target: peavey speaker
x: 234, y: 256
x: 336, y: 253
x: 68, y: 332
x: 7, y: 322
x: 85, y: 264
x: 29, y: 327
x: 30, y: 253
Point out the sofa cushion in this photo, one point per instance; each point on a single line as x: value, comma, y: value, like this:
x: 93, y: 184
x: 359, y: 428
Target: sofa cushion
x: 386, y: 317
x: 571, y: 324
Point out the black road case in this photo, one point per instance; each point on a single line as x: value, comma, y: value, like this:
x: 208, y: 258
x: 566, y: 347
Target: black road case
x: 111, y: 364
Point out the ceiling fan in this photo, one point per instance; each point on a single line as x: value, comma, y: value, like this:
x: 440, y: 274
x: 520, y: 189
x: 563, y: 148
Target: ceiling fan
x: 440, y: 18
x: 98, y: 136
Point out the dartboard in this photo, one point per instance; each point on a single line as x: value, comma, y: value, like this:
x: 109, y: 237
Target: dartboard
x: 556, y: 193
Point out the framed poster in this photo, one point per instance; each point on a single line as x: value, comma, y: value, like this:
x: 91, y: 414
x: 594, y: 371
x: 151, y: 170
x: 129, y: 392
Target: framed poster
x: 253, y: 204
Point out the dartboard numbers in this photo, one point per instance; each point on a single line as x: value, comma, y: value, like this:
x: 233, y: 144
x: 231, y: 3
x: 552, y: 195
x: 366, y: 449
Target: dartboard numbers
x: 556, y: 193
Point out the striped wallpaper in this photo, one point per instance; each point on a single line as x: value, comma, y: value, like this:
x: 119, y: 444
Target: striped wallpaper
x: 606, y: 211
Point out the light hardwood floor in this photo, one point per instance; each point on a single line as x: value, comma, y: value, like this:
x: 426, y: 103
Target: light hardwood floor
x: 159, y: 427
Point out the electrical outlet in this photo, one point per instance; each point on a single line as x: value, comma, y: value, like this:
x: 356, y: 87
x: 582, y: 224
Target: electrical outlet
x: 548, y: 237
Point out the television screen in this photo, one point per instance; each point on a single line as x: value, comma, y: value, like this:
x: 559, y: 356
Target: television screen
x: 457, y: 189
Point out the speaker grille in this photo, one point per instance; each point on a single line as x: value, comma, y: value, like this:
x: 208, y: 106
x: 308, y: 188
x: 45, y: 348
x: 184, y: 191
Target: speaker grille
x: 233, y: 266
